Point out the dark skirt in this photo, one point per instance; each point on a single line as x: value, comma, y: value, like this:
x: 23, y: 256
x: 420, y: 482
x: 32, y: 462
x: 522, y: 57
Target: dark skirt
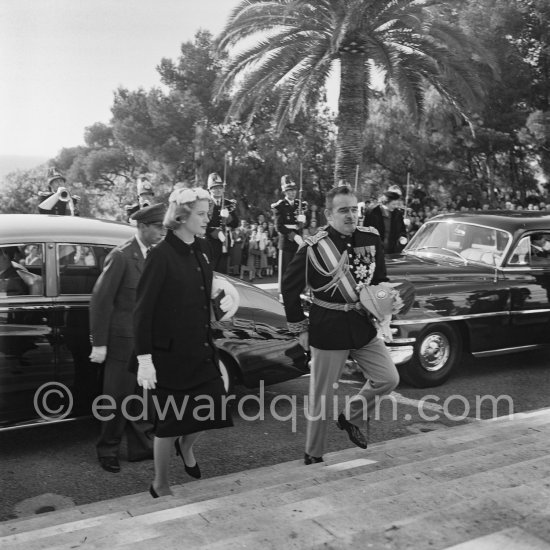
x: 182, y: 412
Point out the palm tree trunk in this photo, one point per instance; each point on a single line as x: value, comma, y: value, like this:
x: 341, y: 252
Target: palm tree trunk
x: 352, y: 116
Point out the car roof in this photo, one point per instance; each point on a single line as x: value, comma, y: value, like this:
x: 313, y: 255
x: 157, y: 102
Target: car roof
x: 507, y: 220
x: 49, y: 228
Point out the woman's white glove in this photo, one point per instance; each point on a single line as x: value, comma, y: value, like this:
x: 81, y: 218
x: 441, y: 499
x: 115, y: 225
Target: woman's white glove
x: 224, y: 213
x: 301, y: 218
x: 221, y: 237
x: 146, y: 374
x: 226, y: 303
x: 298, y: 240
x: 98, y: 354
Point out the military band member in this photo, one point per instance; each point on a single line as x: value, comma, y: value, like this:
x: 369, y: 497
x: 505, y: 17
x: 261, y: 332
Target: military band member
x: 58, y: 200
x: 222, y: 218
x: 146, y: 197
x: 289, y: 223
x: 336, y: 261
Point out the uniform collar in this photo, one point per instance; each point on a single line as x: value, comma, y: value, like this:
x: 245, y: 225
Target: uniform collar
x: 339, y: 237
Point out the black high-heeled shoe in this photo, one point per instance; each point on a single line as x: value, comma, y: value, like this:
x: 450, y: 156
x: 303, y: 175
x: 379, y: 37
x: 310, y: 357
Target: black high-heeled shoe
x: 153, y: 492
x: 193, y: 471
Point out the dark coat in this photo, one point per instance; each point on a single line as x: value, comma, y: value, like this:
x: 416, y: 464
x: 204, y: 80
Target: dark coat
x: 172, y: 314
x: 331, y: 329
x: 375, y: 218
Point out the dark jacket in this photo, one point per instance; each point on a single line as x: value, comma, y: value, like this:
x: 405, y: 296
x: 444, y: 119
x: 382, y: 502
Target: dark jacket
x: 330, y: 329
x: 286, y: 223
x: 114, y: 295
x: 375, y: 218
x: 172, y: 314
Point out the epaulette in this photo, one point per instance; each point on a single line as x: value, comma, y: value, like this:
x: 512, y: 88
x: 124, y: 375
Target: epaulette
x: 275, y: 204
x: 368, y: 229
x: 314, y: 239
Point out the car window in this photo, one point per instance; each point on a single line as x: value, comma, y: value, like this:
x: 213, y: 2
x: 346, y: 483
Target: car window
x: 79, y: 266
x: 21, y: 269
x: 532, y: 250
x: 472, y: 242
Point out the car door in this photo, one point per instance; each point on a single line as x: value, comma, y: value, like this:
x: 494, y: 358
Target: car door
x: 78, y: 266
x: 27, y: 359
x: 529, y: 276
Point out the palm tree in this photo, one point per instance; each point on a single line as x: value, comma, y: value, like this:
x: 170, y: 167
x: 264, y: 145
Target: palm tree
x: 289, y: 47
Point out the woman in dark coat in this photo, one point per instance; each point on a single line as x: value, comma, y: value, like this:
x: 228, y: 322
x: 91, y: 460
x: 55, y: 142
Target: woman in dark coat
x: 173, y: 340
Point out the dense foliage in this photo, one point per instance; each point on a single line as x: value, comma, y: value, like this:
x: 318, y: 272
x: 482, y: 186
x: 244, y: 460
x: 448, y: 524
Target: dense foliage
x: 496, y: 136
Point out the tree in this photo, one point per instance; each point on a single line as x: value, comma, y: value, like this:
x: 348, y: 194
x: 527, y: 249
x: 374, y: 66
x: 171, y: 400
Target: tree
x: 291, y: 46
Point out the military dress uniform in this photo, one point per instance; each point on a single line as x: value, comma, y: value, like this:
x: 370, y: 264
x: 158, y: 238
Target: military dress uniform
x: 287, y: 225
x: 220, y: 250
x: 333, y: 265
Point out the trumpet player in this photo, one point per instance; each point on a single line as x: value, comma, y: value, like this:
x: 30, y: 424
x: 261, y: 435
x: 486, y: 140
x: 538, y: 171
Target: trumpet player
x: 57, y: 200
x: 223, y: 217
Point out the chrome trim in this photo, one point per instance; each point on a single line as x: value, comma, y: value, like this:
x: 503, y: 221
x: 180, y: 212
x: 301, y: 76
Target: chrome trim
x: 39, y: 422
x: 450, y: 318
x: 529, y: 311
x: 400, y: 354
x: 401, y: 341
x: 503, y: 351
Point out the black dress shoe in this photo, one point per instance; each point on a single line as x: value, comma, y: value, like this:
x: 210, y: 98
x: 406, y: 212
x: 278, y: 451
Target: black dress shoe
x: 109, y: 464
x: 152, y: 491
x: 308, y: 459
x: 354, y: 433
x: 193, y: 471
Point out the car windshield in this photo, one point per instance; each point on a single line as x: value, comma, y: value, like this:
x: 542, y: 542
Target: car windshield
x: 465, y: 241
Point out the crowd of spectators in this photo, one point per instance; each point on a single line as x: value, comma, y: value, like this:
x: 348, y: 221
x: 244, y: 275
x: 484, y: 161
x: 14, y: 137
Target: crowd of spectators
x: 422, y: 206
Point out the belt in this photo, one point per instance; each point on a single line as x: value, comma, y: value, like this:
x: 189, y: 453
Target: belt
x: 353, y: 306
x: 291, y: 226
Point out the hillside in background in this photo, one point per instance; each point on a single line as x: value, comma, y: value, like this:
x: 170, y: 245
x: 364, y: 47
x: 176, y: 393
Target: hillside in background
x: 11, y: 163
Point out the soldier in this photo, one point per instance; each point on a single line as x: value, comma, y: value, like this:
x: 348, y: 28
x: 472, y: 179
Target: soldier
x: 145, y: 197
x: 223, y: 216
x: 388, y: 220
x: 58, y: 201
x: 289, y: 223
x: 335, y: 263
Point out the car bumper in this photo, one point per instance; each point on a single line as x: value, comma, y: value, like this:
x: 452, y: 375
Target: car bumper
x: 401, y: 350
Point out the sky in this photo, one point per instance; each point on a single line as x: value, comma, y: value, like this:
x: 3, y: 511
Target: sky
x: 61, y: 61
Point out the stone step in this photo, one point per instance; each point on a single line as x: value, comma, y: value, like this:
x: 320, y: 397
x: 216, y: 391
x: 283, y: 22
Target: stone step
x: 403, y: 466
x: 232, y: 507
x: 286, y: 477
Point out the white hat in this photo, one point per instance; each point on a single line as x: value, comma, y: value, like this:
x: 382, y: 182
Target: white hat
x: 214, y: 180
x: 219, y: 284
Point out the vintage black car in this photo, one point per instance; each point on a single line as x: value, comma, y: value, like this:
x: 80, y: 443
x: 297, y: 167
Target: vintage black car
x: 482, y: 286
x: 48, y: 267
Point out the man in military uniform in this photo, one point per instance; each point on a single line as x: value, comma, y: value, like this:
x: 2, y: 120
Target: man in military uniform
x: 111, y: 330
x: 289, y: 223
x: 57, y: 200
x: 336, y: 262
x: 146, y: 197
x: 223, y: 216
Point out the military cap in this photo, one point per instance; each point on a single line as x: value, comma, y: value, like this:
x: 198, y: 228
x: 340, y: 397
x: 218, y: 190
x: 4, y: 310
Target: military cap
x: 53, y: 175
x: 392, y: 196
x: 287, y: 183
x: 150, y: 214
x: 214, y: 180
x: 395, y: 189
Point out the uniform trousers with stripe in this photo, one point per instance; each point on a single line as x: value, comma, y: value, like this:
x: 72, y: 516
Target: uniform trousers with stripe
x: 377, y: 367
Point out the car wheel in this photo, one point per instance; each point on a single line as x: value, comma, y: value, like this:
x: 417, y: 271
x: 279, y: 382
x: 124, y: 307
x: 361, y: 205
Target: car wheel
x: 228, y: 376
x: 436, y: 352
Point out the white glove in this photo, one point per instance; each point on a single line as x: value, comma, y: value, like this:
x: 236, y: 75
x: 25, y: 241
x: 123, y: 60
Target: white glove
x: 298, y: 240
x: 301, y: 218
x: 98, y: 354
x: 403, y: 240
x: 221, y: 237
x: 226, y: 303
x: 146, y: 374
x: 224, y: 213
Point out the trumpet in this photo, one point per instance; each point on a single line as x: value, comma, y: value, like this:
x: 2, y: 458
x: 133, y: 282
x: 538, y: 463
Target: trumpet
x: 63, y: 194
